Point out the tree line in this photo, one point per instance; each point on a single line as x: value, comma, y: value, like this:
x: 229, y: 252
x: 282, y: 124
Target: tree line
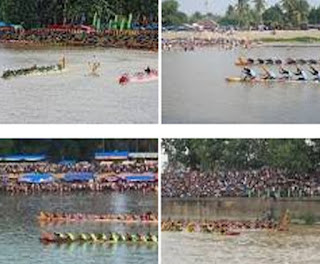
x: 286, y: 14
x: 298, y: 155
x: 78, y: 149
x: 39, y: 13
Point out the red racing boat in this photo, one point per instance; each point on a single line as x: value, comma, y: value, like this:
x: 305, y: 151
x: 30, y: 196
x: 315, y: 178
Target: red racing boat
x: 140, y: 77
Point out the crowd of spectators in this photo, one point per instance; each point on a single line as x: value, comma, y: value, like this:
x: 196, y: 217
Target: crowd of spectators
x: 265, y: 182
x: 142, y: 39
x: 59, y: 187
x: 66, y: 167
x: 108, y: 176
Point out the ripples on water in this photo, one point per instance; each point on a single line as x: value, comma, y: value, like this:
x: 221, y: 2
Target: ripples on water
x: 73, y: 97
x: 19, y: 230
x: 300, y: 245
x: 195, y: 90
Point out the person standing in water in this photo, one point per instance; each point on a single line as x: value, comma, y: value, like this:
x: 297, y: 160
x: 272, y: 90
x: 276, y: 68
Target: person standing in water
x: 94, y: 66
x: 62, y: 63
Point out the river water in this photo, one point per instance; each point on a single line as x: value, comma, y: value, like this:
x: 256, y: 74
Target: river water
x: 19, y: 230
x: 299, y: 245
x: 73, y: 97
x: 195, y: 90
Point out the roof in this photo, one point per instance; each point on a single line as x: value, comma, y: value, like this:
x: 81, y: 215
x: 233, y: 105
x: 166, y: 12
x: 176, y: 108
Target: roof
x: 22, y: 157
x: 111, y: 155
x: 140, y: 178
x: 143, y: 155
x: 36, y: 178
x: 78, y: 177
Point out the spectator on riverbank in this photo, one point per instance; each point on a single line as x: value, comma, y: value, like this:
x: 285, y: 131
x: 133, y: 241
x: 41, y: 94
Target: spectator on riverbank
x: 130, y: 39
x: 94, y: 167
x: 265, y: 182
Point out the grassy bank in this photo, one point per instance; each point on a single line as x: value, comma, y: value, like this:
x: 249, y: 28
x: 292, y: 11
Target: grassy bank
x: 285, y: 36
x: 290, y: 40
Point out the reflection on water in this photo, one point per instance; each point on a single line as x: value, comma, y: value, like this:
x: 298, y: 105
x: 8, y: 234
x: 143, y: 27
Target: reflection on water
x: 195, y: 90
x: 299, y: 245
x: 73, y: 97
x: 20, y: 231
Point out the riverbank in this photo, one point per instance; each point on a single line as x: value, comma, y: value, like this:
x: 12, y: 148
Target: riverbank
x: 125, y: 39
x: 303, y: 211
x: 261, y: 37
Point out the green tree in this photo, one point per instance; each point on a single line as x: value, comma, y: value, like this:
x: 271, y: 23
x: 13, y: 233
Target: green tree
x: 296, y: 11
x: 274, y: 17
x: 295, y: 155
x: 38, y: 13
x: 171, y: 14
x: 260, y: 6
x: 314, y: 16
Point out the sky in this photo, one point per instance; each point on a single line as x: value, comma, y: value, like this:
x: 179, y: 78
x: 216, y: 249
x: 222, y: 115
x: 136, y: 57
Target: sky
x: 219, y: 6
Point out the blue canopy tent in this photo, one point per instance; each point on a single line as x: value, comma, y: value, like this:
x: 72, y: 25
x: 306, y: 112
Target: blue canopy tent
x: 78, y: 177
x: 3, y: 24
x: 27, y: 158
x: 36, y: 178
x: 140, y: 178
x: 114, y: 155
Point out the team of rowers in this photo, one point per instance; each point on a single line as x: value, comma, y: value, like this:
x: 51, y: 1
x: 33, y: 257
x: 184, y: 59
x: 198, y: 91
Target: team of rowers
x: 35, y: 69
x: 284, y: 74
x: 111, y: 237
x: 147, y: 217
x: 147, y: 72
x: 290, y: 61
x: 228, y: 227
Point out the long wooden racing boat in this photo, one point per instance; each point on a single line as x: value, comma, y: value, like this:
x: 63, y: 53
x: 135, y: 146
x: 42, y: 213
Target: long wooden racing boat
x: 61, y: 238
x: 221, y: 226
x: 147, y: 218
x: 31, y: 70
x: 259, y: 80
x: 227, y: 227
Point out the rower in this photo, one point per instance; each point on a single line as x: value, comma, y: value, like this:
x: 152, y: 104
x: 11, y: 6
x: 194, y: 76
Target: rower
x: 286, y: 74
x: 260, y: 61
x: 147, y: 70
x: 250, y: 61
x: 278, y: 61
x: 249, y: 74
x: 242, y: 61
x: 269, y: 75
x: 291, y: 61
x: 315, y: 73
x: 269, y: 61
x: 302, y: 76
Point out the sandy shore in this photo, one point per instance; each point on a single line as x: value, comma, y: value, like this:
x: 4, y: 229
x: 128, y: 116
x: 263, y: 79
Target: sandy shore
x: 264, y: 36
